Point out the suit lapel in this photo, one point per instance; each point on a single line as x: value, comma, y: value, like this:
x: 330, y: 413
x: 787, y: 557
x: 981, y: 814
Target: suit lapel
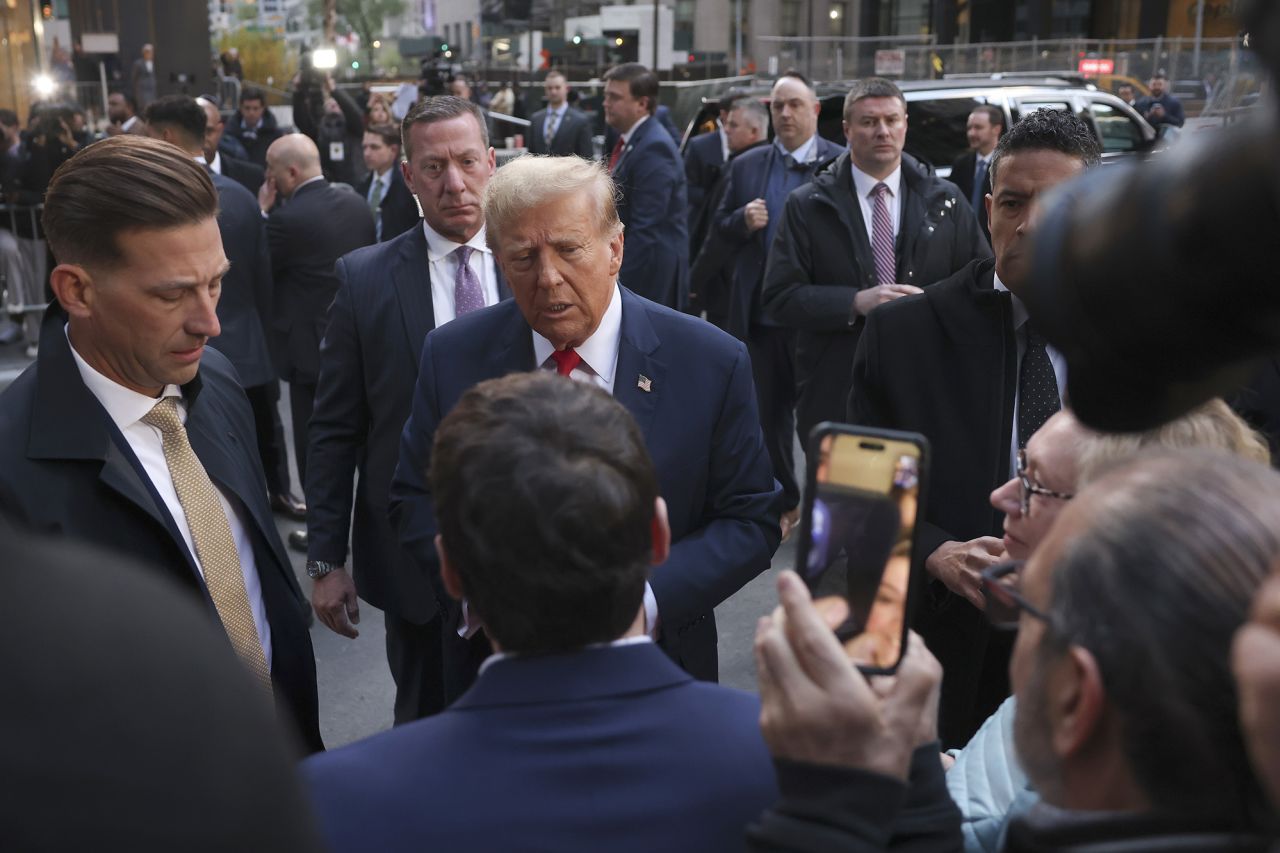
x: 411, y: 277
x: 514, y: 350
x: 640, y: 379
x: 850, y: 211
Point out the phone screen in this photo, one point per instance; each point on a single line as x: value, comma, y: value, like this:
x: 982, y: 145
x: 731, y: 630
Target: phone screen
x: 857, y: 535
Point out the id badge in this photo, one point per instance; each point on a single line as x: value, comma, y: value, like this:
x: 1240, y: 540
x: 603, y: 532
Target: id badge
x: 337, y: 151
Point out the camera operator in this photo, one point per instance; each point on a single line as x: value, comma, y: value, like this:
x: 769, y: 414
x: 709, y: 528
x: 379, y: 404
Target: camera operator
x: 334, y: 122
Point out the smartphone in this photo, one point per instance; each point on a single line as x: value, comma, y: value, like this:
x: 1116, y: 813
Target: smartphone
x: 863, y: 492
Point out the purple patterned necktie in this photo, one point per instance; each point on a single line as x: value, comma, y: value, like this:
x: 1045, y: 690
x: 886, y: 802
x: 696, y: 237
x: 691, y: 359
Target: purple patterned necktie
x: 467, y: 295
x: 882, y: 236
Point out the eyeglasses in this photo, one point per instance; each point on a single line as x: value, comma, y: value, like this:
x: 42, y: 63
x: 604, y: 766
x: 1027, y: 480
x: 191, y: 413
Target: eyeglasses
x: 1005, y: 603
x: 1029, y: 488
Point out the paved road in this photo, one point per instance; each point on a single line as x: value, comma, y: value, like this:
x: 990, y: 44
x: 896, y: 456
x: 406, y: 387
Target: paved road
x: 355, y: 687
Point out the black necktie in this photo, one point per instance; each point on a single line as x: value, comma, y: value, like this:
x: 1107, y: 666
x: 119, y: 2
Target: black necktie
x: 1037, y: 388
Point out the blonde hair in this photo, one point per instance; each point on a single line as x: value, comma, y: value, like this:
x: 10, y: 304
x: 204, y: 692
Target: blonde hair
x: 532, y: 180
x: 1212, y: 426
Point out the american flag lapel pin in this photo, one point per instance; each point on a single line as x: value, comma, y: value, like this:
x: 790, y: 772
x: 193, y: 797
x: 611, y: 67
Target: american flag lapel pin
x: 644, y: 383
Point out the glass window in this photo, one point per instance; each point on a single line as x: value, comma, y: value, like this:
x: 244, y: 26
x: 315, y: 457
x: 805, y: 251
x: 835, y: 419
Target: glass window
x: 837, y: 17
x: 1026, y: 107
x: 936, y: 129
x: 789, y: 18
x: 1118, y: 131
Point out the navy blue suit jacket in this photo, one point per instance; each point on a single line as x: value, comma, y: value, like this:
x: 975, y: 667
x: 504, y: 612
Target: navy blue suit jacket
x: 368, y: 366
x: 703, y: 159
x: 701, y: 426
x: 603, y: 749
x: 66, y: 471
x: 653, y: 207
x: 246, y: 288
x: 747, y: 180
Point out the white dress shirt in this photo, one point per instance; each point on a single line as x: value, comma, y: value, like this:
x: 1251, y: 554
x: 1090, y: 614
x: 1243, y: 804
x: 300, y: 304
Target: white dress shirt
x: 127, y: 408
x: 724, y: 142
x: 444, y: 271
x: 127, y: 124
x: 805, y: 152
x: 626, y: 137
x: 216, y: 165
x: 384, y: 180
x: 1055, y: 358
x: 863, y: 184
x: 599, y: 354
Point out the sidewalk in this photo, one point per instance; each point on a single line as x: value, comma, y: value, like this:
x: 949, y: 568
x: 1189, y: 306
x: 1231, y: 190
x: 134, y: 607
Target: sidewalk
x: 13, y: 360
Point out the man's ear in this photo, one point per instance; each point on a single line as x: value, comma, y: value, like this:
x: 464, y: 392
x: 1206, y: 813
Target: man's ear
x: 1077, y: 702
x: 616, y: 247
x: 661, y: 532
x: 448, y: 573
x: 73, y: 287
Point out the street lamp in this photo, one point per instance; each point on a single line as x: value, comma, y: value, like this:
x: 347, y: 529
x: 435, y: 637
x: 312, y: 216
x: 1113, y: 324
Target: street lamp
x: 324, y: 58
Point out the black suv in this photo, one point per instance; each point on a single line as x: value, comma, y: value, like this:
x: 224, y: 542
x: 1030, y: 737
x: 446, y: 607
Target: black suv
x: 938, y: 110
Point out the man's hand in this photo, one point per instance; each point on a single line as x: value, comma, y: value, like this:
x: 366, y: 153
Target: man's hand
x: 1156, y: 111
x: 867, y: 299
x: 267, y: 195
x: 114, y: 130
x: 959, y: 565
x: 757, y: 214
x: 816, y: 707
x: 334, y: 598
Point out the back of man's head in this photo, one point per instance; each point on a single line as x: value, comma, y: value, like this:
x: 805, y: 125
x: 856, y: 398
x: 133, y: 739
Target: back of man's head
x: 180, y: 115
x: 1154, y: 570
x: 545, y: 496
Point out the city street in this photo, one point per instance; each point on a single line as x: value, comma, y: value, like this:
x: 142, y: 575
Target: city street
x: 356, y: 690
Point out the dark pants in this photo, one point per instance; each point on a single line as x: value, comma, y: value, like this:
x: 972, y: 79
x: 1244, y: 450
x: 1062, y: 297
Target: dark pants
x: 414, y: 656
x: 462, y: 656
x: 773, y: 367
x: 302, y: 399
x: 265, y: 402
x: 974, y: 658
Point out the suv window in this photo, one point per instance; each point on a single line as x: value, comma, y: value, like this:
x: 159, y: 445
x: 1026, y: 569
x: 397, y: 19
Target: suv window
x: 936, y: 129
x: 1118, y: 131
x: 1026, y: 107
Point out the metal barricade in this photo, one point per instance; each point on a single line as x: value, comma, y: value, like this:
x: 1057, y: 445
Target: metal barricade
x: 24, y: 263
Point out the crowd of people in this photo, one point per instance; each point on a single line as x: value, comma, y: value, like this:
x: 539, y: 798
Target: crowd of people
x: 545, y: 419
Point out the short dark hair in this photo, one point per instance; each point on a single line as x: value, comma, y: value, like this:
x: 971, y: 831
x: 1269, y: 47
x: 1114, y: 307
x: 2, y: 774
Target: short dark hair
x: 441, y: 108
x: 994, y: 114
x: 641, y: 82
x: 872, y: 87
x: 251, y: 93
x: 545, y: 494
x: 1048, y: 130
x: 9, y: 118
x: 1177, y: 545
x: 122, y: 183
x: 183, y: 114
x: 389, y: 132
x: 128, y: 98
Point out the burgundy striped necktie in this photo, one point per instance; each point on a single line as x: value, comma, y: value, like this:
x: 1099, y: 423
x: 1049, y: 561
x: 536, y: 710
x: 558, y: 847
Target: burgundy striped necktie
x: 882, y: 236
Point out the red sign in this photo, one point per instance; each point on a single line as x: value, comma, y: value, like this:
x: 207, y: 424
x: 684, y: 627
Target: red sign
x: 1094, y: 67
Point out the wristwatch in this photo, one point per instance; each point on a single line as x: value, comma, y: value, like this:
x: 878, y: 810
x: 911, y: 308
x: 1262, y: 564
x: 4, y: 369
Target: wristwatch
x: 317, y: 569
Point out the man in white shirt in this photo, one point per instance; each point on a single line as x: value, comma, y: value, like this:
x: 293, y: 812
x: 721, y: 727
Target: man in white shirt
x: 389, y: 297
x: 578, y: 732
x: 555, y: 230
x: 127, y: 433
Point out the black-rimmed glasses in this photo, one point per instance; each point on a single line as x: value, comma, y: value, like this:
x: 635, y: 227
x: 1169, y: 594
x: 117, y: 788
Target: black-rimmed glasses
x: 1029, y: 488
x: 1005, y: 603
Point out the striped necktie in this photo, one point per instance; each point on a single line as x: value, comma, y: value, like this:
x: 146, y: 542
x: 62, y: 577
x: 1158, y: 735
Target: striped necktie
x: 882, y: 236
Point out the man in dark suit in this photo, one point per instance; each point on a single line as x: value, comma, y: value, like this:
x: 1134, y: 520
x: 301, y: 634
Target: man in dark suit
x: 246, y: 174
x: 962, y: 365
x: 390, y: 296
x: 746, y: 220
x: 704, y: 157
x: 390, y: 201
x: 254, y: 126
x: 560, y: 129
x: 128, y: 433
x: 558, y: 240
x: 971, y: 172
x: 646, y: 167
x: 319, y: 223
x: 872, y: 227
x: 553, y: 562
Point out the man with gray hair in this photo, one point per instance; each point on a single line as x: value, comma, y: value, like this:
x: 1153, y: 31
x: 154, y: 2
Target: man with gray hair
x: 389, y: 297
x: 554, y: 227
x: 320, y: 223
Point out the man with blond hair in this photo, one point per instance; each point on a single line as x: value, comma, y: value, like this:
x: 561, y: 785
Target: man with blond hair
x: 554, y: 228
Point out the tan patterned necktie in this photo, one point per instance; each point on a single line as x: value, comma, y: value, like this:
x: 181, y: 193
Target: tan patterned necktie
x: 211, y: 532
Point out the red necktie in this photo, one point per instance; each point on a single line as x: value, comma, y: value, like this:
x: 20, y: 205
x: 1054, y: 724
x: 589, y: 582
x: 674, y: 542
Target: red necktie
x: 566, y: 361
x: 617, y: 153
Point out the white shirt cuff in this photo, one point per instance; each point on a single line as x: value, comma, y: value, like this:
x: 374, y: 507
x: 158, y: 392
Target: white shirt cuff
x: 466, y: 630
x: 651, y: 624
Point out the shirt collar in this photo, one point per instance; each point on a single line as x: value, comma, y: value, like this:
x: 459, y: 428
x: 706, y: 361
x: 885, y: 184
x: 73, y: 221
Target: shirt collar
x: 129, y: 123
x: 805, y: 152
x: 200, y: 159
x: 216, y: 164
x: 124, y: 406
x: 616, y: 644
x: 598, y: 352
x: 863, y: 183
x: 440, y: 247
x: 1019, y: 310
x: 626, y: 137
x: 559, y: 112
